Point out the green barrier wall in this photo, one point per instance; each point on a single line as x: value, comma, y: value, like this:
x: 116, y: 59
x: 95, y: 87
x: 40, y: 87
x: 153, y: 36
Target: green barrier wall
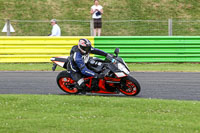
x: 152, y: 49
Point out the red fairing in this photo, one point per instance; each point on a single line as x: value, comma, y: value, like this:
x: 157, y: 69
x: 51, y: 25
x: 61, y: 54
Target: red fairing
x: 112, y: 79
x: 102, y: 84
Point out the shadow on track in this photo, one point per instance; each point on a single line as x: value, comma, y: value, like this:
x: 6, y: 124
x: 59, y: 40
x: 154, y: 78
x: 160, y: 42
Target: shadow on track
x: 102, y: 95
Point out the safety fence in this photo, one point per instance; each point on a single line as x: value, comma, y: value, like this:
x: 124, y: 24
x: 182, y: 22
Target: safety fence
x: 132, y: 48
x: 170, y: 27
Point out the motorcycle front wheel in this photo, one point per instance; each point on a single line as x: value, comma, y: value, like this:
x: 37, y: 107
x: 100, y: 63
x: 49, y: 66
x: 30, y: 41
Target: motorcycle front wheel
x: 129, y: 86
x: 66, y: 83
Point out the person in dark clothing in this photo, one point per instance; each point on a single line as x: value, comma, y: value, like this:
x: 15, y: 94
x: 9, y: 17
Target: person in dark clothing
x: 79, y: 56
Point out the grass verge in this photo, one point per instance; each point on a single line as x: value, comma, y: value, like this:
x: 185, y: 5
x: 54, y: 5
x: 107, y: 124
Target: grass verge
x: 113, y: 10
x: 165, y: 67
x: 52, y: 113
x: 139, y: 67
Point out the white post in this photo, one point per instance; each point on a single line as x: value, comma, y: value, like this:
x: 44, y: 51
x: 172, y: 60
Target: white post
x: 8, y: 27
x: 91, y: 28
x: 170, y: 27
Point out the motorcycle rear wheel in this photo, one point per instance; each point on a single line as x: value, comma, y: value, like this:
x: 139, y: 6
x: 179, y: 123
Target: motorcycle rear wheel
x: 64, y: 81
x: 129, y: 86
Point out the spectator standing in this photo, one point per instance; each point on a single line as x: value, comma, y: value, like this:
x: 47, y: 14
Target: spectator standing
x: 97, y: 11
x: 56, y: 29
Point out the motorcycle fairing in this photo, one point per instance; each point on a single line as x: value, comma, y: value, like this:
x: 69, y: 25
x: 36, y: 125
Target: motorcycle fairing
x: 61, y: 61
x: 116, y: 71
x: 120, y: 74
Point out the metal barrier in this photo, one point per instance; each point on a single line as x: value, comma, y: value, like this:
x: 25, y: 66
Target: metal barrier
x: 163, y: 27
x: 153, y: 49
x: 35, y: 49
x: 132, y: 48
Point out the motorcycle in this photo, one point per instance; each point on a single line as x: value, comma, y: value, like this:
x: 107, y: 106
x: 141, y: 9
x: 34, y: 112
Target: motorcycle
x: 117, y: 79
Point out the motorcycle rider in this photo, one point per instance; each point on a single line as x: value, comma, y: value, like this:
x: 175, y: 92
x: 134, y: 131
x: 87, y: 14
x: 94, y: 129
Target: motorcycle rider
x: 79, y: 56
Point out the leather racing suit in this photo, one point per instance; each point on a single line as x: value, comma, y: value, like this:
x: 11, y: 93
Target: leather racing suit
x: 78, y: 63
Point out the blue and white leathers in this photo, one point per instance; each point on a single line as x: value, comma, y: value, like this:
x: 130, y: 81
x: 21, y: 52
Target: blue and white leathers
x: 78, y: 60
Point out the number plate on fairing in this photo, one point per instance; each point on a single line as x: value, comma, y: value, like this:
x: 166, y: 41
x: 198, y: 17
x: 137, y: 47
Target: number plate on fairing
x: 120, y: 74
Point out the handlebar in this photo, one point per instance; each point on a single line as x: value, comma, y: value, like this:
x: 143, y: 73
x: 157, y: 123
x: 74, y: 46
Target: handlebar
x: 109, y: 57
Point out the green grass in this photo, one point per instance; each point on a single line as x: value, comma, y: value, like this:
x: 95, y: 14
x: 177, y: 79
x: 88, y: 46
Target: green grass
x: 165, y: 67
x: 52, y: 113
x: 27, y: 67
x: 139, y: 67
x: 113, y: 10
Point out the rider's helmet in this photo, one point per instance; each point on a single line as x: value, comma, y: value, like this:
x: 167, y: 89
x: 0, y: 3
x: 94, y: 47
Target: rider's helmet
x: 84, y: 46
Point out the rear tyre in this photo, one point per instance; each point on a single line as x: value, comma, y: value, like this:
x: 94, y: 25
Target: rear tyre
x: 130, y: 86
x: 66, y: 83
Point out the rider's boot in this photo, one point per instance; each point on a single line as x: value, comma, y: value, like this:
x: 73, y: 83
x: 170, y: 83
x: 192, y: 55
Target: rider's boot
x: 81, y: 86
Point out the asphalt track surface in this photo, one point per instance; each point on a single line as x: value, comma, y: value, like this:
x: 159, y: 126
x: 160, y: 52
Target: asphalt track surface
x: 161, y: 85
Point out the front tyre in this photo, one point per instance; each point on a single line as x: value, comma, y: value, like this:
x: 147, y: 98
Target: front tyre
x: 129, y: 86
x: 66, y: 83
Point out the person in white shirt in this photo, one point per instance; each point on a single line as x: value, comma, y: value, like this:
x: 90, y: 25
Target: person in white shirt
x: 97, y: 11
x: 56, y: 29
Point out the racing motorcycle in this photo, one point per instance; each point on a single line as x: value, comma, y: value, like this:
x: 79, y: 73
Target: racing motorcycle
x: 117, y: 79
